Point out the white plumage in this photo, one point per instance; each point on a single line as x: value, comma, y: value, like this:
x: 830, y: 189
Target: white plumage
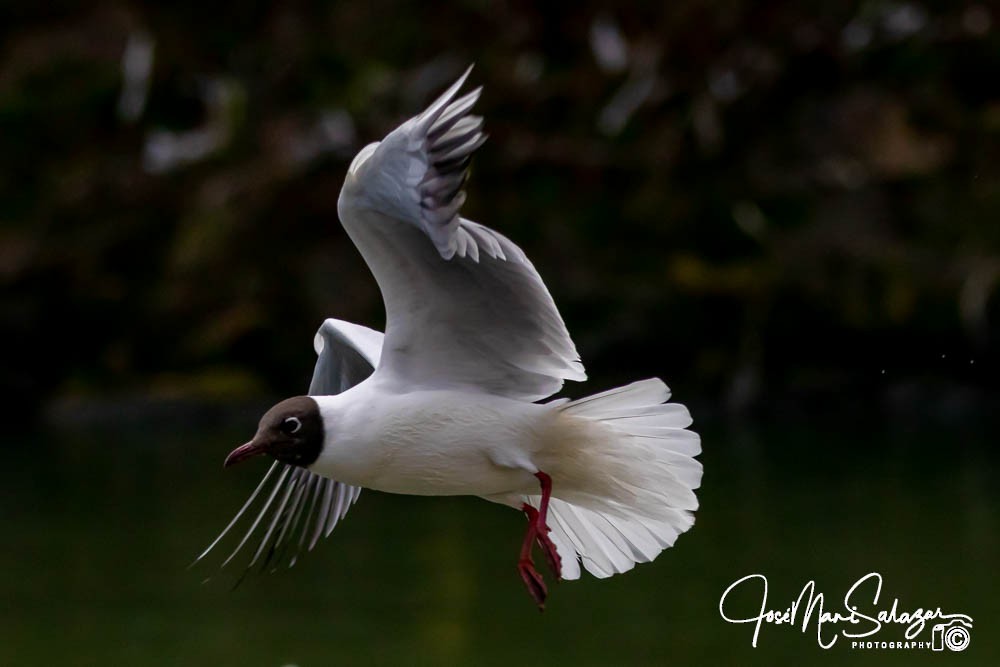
x: 446, y: 403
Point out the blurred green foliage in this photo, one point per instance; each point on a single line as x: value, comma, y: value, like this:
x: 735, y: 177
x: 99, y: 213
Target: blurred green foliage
x: 102, y: 528
x: 751, y: 200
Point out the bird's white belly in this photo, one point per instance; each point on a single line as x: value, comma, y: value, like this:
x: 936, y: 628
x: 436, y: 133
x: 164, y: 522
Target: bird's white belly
x: 437, y: 443
x: 424, y: 467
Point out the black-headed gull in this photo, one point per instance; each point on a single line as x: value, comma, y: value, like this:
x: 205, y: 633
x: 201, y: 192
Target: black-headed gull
x: 447, y: 401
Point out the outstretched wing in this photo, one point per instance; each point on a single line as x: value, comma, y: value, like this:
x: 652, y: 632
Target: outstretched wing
x: 464, y: 305
x: 301, y: 506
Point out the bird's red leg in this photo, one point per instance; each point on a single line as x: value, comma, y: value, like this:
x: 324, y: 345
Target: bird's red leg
x: 542, y: 527
x: 538, y: 530
x: 532, y: 580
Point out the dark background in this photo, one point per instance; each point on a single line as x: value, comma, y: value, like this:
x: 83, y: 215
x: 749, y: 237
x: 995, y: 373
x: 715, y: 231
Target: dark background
x: 788, y: 211
x: 760, y: 202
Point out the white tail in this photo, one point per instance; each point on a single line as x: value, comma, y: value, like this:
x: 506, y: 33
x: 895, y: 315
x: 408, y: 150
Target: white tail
x: 630, y: 490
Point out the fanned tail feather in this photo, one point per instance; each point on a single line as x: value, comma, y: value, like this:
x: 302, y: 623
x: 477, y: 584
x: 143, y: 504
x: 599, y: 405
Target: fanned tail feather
x: 642, y: 475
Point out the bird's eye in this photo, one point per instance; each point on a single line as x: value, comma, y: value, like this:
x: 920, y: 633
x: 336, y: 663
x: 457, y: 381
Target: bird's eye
x: 291, y: 425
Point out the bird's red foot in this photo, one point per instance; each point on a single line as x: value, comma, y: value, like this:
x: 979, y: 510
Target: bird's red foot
x: 542, y: 528
x: 533, y: 582
x: 549, y: 550
x: 538, y: 531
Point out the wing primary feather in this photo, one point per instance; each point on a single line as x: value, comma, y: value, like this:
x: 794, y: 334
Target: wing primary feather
x: 432, y: 112
x: 279, y: 548
x: 454, y: 111
x: 335, y: 508
x: 443, y: 188
x: 278, y: 514
x: 467, y: 125
x: 338, y: 509
x: 466, y: 148
x: 324, y: 511
x: 246, y: 505
x: 462, y: 131
x: 314, y: 493
x: 260, y: 516
x: 453, y: 165
x: 308, y: 482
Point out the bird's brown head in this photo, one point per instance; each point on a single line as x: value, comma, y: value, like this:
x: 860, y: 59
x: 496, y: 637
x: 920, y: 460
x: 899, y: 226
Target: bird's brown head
x: 291, y: 432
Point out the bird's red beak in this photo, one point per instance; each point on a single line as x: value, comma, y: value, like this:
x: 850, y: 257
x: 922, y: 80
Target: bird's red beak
x: 244, y: 452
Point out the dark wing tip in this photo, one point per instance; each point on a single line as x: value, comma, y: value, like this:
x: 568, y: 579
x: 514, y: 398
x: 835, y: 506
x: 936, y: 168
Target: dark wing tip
x: 453, y: 136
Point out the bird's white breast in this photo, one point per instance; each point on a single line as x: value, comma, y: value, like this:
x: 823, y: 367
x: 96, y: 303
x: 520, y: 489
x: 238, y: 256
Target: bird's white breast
x: 431, y: 442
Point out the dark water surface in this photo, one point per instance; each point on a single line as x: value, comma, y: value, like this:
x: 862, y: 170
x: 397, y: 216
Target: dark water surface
x: 99, y: 527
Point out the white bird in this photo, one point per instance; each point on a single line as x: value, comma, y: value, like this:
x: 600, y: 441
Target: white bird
x: 447, y: 401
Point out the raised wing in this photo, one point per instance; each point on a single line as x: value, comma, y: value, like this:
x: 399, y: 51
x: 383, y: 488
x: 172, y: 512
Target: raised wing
x: 301, y: 506
x: 346, y: 354
x: 464, y: 305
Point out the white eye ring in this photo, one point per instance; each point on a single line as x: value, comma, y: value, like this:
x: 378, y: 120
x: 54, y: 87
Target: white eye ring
x: 291, y: 425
